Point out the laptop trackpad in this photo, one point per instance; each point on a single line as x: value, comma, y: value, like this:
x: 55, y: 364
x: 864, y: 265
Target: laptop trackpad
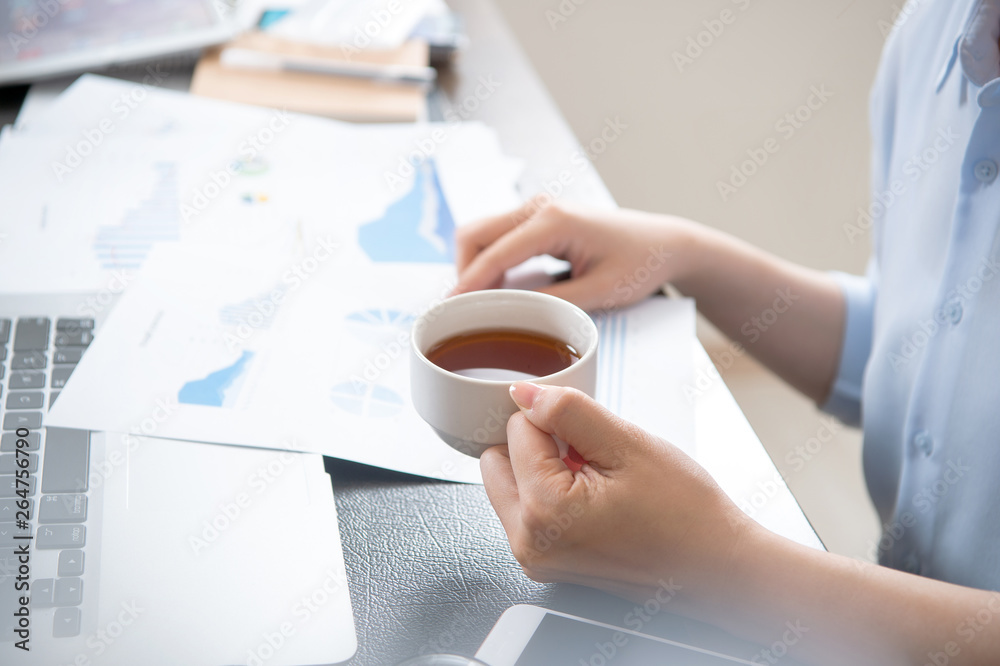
x: 221, y: 543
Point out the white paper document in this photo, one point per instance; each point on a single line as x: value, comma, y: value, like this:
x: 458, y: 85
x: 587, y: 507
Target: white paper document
x: 114, y: 169
x: 310, y: 351
x: 274, y: 264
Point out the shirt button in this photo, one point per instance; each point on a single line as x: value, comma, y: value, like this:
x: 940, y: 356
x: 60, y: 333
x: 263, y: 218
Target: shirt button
x: 911, y: 564
x: 923, y: 442
x: 986, y: 171
x: 954, y: 312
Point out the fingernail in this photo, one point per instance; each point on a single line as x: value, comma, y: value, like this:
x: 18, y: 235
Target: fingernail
x: 524, y: 394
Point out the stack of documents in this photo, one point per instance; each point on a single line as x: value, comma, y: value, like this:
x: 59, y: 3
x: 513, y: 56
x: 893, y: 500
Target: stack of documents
x: 372, y: 86
x: 272, y: 265
x: 355, y: 60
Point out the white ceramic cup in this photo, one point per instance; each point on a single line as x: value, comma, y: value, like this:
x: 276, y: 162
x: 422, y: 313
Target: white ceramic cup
x: 470, y: 414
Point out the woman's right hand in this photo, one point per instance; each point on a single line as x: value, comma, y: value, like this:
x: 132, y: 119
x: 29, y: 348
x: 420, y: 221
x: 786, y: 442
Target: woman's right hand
x: 618, y: 256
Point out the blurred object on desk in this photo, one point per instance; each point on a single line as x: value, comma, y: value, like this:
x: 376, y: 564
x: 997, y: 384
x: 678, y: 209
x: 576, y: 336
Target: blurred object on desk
x: 356, y: 25
x: 340, y: 97
x: 359, y: 25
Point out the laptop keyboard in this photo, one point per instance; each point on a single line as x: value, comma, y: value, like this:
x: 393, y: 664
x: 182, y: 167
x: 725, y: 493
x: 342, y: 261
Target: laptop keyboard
x: 36, y: 359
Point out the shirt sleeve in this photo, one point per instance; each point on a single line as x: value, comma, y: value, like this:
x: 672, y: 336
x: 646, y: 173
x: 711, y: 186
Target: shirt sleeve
x: 859, y: 296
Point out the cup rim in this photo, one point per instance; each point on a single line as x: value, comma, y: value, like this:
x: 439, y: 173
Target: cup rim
x: 517, y: 293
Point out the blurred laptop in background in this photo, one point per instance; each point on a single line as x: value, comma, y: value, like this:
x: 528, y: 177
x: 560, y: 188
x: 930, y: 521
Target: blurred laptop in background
x: 50, y: 38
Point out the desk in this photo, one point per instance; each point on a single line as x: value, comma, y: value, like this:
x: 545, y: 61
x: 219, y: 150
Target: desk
x: 428, y: 563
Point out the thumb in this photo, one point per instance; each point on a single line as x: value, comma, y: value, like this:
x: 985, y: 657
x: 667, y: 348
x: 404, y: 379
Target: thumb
x: 600, y: 437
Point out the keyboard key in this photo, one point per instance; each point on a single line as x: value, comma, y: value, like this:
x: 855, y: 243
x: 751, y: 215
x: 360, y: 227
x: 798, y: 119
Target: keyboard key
x: 67, y: 355
x: 69, y: 592
x: 4, y: 331
x: 67, y: 460
x: 7, y: 533
x: 29, y: 420
x: 71, y: 563
x: 9, y: 463
x: 52, y: 398
x: 9, y: 486
x: 74, y: 324
x: 8, y: 441
x: 32, y: 334
x: 8, y: 563
x: 41, y: 592
x: 9, y: 509
x: 2, y: 367
x: 9, y: 603
x: 25, y: 399
x: 26, y: 379
x: 60, y: 375
x: 31, y: 360
x: 66, y: 623
x: 51, y: 537
x: 74, y: 338
x: 62, y: 509
x: 3, y: 353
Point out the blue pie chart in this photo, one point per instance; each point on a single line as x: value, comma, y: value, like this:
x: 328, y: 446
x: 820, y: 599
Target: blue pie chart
x: 368, y: 400
x: 378, y: 325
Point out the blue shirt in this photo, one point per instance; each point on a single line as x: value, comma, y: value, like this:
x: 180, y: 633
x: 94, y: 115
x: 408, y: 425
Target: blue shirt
x: 920, y: 365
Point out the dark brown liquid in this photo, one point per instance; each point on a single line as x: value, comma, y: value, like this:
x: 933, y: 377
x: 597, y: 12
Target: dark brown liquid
x: 503, y: 355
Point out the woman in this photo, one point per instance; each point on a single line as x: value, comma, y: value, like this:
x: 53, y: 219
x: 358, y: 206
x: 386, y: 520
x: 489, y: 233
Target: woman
x: 912, y: 346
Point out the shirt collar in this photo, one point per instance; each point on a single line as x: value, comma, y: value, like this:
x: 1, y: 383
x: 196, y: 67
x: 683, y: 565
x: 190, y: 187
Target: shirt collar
x: 977, y: 45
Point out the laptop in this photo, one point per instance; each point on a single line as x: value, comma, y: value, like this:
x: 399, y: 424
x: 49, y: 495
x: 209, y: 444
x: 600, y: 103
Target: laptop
x: 121, y: 548
x: 57, y: 37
